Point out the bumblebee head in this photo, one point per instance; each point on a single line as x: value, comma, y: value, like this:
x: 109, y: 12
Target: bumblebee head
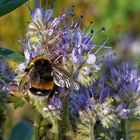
x: 39, y: 63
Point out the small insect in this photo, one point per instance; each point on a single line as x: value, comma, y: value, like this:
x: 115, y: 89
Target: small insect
x: 43, y: 79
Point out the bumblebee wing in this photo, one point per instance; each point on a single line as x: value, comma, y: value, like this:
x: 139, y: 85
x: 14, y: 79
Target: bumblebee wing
x: 24, y: 84
x: 62, y: 80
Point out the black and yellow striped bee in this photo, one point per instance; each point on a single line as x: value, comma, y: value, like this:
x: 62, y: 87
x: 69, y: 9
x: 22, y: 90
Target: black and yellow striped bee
x: 42, y: 78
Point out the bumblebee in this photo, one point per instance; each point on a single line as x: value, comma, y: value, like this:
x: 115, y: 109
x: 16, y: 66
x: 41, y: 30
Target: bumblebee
x: 43, y: 79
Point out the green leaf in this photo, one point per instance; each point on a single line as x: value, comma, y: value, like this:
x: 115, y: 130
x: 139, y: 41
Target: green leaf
x: 16, y: 57
x: 2, y: 1
x: 4, y: 52
x: 7, y: 6
x: 6, y: 79
x: 22, y: 131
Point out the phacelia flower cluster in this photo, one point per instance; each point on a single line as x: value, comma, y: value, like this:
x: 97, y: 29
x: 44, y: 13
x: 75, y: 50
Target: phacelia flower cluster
x: 75, y: 91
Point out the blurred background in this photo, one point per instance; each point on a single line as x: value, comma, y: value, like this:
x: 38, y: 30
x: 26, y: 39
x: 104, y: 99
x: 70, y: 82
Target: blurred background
x: 121, y: 19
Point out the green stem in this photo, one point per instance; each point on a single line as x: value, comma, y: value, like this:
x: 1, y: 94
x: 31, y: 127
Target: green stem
x: 91, y: 130
x: 126, y: 130
x: 2, y: 120
x: 65, y: 124
x: 37, y: 125
x: 3, y: 103
x: 55, y: 126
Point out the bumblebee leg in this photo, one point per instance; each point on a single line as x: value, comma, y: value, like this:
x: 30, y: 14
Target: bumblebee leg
x: 52, y: 92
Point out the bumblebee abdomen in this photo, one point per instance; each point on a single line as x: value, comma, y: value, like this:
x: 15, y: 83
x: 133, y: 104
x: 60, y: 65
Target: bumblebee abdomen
x: 39, y: 92
x: 43, y: 85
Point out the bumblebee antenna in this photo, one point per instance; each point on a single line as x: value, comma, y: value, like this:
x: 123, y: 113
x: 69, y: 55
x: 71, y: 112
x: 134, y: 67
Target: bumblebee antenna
x: 58, y: 58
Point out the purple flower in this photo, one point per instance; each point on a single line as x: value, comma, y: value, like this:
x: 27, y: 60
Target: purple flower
x: 123, y: 111
x: 55, y: 104
x: 4, y: 68
x: 126, y: 79
x: 64, y: 43
x: 120, y: 80
x: 6, y: 76
x: 80, y: 100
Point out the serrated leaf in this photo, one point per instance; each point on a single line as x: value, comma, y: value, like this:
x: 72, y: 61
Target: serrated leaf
x: 7, y: 6
x: 11, y: 55
x: 22, y: 131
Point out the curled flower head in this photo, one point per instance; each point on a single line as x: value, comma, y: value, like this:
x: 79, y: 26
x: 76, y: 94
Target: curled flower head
x: 60, y: 57
x: 79, y: 101
x: 64, y: 43
x: 125, y: 79
x: 120, y: 81
x: 90, y: 109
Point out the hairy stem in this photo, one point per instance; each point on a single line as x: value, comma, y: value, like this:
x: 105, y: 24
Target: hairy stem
x: 37, y: 125
x: 55, y: 126
x: 126, y: 130
x: 64, y: 123
x: 91, y: 130
x: 2, y: 120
